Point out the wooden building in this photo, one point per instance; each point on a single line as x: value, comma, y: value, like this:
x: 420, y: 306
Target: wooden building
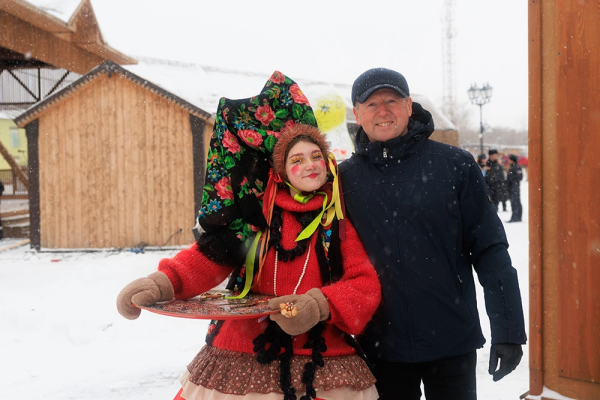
x: 114, y: 162
x: 564, y: 198
x: 42, y: 50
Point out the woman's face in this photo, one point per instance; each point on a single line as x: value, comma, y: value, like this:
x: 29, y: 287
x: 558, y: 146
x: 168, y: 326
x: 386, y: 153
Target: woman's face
x: 305, y: 167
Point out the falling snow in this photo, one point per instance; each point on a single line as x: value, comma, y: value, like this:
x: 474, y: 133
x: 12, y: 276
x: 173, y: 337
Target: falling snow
x: 62, y: 338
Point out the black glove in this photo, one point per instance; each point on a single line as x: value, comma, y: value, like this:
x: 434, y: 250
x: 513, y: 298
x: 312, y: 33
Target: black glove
x: 510, y: 355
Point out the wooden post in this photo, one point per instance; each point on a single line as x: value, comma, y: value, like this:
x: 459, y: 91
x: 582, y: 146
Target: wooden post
x: 536, y: 374
x: 32, y: 132
x: 13, y: 165
x: 564, y: 79
x: 199, y: 157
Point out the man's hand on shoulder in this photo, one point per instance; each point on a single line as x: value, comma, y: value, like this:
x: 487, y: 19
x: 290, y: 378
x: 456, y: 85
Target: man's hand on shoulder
x: 509, y: 355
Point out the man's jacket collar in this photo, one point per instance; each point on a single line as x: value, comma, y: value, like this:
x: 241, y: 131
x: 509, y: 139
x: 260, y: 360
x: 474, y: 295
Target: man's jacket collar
x: 420, y: 127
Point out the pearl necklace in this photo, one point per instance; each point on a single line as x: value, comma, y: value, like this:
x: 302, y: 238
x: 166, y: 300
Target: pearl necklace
x: 301, y: 276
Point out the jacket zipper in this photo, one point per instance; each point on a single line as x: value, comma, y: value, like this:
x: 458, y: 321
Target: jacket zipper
x: 384, y: 152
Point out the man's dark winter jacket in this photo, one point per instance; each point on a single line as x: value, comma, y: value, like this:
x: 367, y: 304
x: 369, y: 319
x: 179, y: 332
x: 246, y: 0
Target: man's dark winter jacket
x: 496, y: 183
x: 421, y: 209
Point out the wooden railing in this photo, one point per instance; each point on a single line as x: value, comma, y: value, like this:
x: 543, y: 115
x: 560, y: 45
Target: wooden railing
x: 13, y: 187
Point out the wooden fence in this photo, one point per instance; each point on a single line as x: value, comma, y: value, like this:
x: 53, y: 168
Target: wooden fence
x: 13, y: 187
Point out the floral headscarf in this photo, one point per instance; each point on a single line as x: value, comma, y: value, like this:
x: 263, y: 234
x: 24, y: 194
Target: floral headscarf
x: 237, y: 170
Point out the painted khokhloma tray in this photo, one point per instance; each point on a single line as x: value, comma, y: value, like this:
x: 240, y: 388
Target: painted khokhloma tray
x: 214, y: 305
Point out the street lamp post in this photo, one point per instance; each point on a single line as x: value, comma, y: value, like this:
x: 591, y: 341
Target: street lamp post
x: 480, y: 96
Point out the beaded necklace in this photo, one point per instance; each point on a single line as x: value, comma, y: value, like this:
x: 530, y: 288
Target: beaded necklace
x: 301, y: 275
x: 276, y: 223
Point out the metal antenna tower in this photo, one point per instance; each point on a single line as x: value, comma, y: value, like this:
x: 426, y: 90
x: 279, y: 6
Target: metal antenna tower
x: 449, y: 59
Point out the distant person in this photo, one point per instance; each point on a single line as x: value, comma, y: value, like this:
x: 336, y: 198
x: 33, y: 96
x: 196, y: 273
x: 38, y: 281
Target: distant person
x: 422, y: 212
x: 524, y: 164
x: 482, y: 161
x: 515, y: 176
x: 503, y: 160
x: 494, y: 178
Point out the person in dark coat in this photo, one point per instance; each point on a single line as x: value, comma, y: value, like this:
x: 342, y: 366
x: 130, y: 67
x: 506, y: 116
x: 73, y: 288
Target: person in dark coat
x: 515, y: 176
x: 482, y: 162
x: 422, y: 211
x: 503, y: 160
x: 495, y: 180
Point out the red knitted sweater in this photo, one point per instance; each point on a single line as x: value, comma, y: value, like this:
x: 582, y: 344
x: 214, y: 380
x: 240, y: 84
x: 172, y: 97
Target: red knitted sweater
x: 352, y: 300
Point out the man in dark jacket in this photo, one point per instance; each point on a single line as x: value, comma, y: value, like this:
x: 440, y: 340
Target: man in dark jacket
x: 495, y: 180
x: 515, y: 175
x: 421, y: 209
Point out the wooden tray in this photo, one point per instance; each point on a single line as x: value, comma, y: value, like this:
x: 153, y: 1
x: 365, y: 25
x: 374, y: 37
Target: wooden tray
x: 213, y: 305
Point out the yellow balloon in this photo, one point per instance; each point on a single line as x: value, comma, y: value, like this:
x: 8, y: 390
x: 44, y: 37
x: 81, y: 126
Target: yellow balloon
x: 330, y: 112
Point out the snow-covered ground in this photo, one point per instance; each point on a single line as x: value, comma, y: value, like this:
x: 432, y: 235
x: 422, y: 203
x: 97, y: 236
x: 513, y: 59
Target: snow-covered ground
x: 61, y: 336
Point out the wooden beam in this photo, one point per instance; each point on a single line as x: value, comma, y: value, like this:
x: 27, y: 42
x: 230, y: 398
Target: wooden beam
x: 107, y: 52
x: 16, y: 78
x: 13, y: 213
x: 58, y: 83
x: 59, y: 49
x: 34, y: 16
x: 536, y: 365
x: 13, y: 165
x: 12, y: 246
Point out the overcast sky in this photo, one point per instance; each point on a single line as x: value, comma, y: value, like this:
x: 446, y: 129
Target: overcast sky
x: 337, y: 41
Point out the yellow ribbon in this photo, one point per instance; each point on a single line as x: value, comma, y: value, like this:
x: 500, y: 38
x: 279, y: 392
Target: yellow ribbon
x: 312, y: 227
x: 250, y: 257
x: 334, y: 208
x: 299, y: 197
x: 335, y: 195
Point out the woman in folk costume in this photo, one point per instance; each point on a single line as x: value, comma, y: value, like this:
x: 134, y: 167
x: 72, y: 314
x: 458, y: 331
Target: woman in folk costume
x: 288, y: 239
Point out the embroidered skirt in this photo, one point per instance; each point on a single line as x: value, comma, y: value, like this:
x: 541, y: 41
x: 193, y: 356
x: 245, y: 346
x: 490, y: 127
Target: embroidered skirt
x: 222, y: 374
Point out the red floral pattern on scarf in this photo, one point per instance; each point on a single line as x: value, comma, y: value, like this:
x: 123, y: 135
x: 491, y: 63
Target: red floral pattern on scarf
x: 250, y: 137
x: 224, y: 190
x: 277, y: 77
x: 297, y: 94
x: 264, y: 114
x: 230, y: 142
x: 273, y: 133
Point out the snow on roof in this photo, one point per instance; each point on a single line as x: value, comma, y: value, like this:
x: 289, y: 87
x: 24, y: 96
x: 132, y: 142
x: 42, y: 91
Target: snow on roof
x: 61, y: 9
x: 188, y: 81
x: 10, y: 114
x: 203, y: 86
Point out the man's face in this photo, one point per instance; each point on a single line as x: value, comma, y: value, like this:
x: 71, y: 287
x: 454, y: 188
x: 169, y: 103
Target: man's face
x: 493, y: 157
x: 384, y: 115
